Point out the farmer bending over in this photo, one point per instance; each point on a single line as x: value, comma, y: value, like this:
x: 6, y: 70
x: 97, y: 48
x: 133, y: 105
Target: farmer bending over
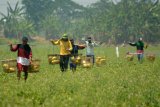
x: 24, y: 58
x: 65, y: 48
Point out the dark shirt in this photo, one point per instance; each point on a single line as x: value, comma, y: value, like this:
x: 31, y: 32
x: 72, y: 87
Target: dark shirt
x: 139, y: 45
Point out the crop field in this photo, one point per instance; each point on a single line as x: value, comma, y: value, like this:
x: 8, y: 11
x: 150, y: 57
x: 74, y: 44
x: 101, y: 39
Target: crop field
x: 118, y: 83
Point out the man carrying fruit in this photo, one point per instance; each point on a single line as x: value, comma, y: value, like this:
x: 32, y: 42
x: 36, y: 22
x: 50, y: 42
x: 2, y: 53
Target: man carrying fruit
x: 24, y: 58
x: 74, y: 55
x: 65, y: 48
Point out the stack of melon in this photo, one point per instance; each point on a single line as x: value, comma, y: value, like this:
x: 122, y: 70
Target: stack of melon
x: 151, y: 57
x: 35, y: 66
x: 87, y: 62
x: 76, y: 59
x: 129, y: 57
x: 100, y: 61
x: 54, y: 59
x: 9, y: 66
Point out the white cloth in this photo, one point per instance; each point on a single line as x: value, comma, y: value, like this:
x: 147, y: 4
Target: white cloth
x: 90, y: 48
x: 23, y: 61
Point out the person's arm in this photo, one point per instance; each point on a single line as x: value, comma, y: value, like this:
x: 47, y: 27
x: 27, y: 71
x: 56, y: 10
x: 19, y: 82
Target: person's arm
x: 70, y: 46
x: 30, y: 56
x: 57, y: 42
x: 81, y: 46
x: 132, y: 44
x: 13, y: 48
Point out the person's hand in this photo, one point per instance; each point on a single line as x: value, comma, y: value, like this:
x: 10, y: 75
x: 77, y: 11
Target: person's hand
x: 9, y: 43
x: 68, y: 50
x: 30, y: 60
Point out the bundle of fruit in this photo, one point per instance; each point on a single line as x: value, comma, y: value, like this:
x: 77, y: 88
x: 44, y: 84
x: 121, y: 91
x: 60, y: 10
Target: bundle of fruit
x: 129, y: 57
x: 54, y: 59
x: 35, y: 66
x: 150, y: 57
x: 76, y: 59
x: 9, y: 65
x: 87, y: 62
x: 100, y: 61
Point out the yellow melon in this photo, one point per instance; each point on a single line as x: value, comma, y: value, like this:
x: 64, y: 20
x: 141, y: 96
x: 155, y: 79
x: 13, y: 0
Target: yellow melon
x: 12, y: 69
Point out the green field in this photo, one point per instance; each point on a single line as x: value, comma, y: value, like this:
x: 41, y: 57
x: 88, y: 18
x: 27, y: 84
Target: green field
x: 119, y: 83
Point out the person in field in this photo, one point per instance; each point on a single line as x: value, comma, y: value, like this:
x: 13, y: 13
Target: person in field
x: 140, y: 48
x: 90, y: 48
x: 24, y: 58
x: 65, y: 51
x: 74, y: 53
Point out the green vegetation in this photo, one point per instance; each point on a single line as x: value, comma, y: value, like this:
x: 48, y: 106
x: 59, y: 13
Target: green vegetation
x: 119, y: 83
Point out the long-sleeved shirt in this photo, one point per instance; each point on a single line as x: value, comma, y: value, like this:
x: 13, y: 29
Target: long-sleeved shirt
x: 24, y: 53
x: 65, y: 46
x: 139, y: 45
x: 76, y: 48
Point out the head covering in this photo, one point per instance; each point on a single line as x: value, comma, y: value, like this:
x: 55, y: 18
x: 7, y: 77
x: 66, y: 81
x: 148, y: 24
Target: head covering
x: 24, y: 38
x: 64, y: 36
x: 89, y: 38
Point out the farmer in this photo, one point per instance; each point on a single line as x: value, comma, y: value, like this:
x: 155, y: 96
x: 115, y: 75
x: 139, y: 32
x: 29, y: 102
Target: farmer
x: 65, y: 48
x: 140, y: 48
x: 74, y: 53
x: 24, y: 58
x: 90, y: 48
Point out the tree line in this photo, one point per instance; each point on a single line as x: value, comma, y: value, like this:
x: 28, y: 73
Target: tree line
x: 105, y: 20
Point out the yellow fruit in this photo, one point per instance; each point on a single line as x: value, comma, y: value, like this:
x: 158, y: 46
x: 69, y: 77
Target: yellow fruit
x: 98, y: 57
x: 86, y: 65
x: 35, y: 67
x: 12, y: 69
x: 54, y: 58
x: 55, y: 62
x: 72, y: 58
x: 50, y: 58
x: 78, y: 58
x: 83, y: 62
x: 5, y: 66
x: 103, y: 60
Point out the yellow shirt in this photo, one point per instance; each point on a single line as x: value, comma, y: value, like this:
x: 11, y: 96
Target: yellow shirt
x: 65, y: 46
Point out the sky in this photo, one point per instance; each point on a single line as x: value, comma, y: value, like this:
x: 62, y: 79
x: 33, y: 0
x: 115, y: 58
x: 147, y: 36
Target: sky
x: 3, y: 3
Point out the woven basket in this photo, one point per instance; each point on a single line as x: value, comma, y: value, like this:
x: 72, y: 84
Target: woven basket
x: 54, y: 59
x: 76, y: 59
x: 9, y: 65
x: 87, y: 62
x: 35, y: 66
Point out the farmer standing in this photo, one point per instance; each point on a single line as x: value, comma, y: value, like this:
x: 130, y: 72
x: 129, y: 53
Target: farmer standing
x: 90, y: 48
x: 74, y: 53
x: 24, y: 58
x: 140, y: 48
x: 65, y: 48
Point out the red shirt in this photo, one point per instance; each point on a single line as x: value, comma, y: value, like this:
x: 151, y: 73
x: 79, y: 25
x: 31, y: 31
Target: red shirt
x: 23, y: 50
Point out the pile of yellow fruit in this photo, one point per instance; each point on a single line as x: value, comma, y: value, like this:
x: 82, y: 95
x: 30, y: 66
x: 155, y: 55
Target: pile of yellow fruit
x: 53, y: 59
x: 151, y: 57
x: 129, y: 57
x: 86, y: 64
x: 34, y: 68
x: 76, y: 59
x: 7, y: 68
x: 100, y: 61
